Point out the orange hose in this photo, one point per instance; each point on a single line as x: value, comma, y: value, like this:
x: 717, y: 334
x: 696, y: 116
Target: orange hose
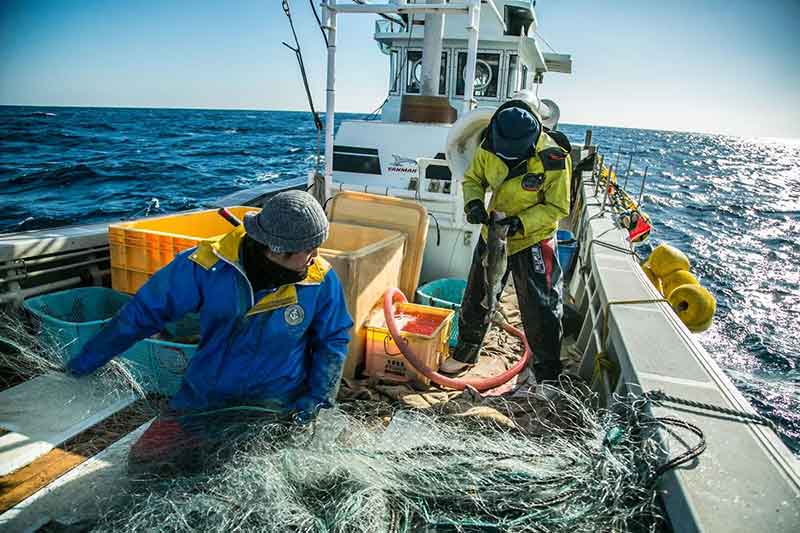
x: 481, y: 384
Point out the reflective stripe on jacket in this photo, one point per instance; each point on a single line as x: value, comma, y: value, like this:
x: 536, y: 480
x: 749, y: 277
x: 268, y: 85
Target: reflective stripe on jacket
x: 540, y: 197
x: 285, y: 346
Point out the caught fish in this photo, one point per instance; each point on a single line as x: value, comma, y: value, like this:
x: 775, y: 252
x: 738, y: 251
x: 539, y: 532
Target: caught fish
x: 494, y: 260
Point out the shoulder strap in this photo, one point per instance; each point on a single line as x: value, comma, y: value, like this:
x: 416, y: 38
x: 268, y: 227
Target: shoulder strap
x: 560, y: 139
x: 553, y: 158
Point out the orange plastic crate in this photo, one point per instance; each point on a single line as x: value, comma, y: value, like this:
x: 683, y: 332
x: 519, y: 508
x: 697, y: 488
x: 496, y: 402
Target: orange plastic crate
x: 141, y: 247
x: 427, y: 330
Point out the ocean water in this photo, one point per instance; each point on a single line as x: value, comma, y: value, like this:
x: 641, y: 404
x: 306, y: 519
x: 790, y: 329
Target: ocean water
x: 731, y: 204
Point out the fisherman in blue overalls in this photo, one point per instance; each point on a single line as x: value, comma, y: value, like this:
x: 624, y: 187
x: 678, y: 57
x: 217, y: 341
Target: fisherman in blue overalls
x: 528, y: 171
x: 273, y: 320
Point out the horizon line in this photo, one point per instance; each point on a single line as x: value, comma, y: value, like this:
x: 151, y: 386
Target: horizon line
x: 370, y: 113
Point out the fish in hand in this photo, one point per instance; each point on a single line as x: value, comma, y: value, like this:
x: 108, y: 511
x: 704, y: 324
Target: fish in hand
x: 494, y: 260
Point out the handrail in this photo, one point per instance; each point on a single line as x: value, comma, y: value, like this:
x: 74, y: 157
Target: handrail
x: 401, y: 8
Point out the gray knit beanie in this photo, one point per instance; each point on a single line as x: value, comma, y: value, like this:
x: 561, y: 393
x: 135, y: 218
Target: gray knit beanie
x: 290, y: 221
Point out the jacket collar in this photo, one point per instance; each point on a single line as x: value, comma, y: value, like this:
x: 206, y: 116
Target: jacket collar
x: 544, y: 142
x: 226, y: 247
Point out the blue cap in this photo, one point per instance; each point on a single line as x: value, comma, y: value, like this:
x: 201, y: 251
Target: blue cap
x: 515, y: 131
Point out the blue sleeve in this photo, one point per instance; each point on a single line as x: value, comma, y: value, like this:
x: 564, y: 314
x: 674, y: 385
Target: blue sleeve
x: 171, y: 293
x: 330, y: 335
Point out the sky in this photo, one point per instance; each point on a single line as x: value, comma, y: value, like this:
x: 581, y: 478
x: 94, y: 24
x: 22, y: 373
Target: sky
x: 716, y: 66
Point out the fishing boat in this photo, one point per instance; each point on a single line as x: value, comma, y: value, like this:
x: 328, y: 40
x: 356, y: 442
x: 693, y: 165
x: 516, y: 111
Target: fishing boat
x: 451, y: 65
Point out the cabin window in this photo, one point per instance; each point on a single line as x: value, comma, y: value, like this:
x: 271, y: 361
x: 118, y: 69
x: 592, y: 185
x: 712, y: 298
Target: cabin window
x: 487, y: 74
x: 414, y: 72
x: 394, y: 63
x: 512, y: 84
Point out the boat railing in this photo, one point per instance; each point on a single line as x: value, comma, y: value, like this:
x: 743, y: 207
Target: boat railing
x: 632, y: 343
x: 388, y: 26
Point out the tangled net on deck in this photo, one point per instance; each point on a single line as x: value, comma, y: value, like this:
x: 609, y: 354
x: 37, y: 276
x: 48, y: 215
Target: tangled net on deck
x: 424, y: 471
x: 26, y: 352
x: 509, y: 464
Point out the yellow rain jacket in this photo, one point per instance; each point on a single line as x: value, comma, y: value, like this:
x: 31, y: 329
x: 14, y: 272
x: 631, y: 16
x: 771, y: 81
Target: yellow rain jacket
x: 539, y: 197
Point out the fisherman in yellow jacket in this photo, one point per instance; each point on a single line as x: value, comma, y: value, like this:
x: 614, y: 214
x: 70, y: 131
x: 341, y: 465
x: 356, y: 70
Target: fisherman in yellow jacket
x: 528, y: 173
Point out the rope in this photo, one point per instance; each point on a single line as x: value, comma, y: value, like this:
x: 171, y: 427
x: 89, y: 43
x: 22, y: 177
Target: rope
x: 319, y: 22
x: 152, y: 204
x: 382, y: 15
x: 399, y: 70
x: 299, y: 54
x: 539, y: 35
x: 238, y: 408
x: 584, y: 269
x: 602, y: 362
x: 682, y: 458
x: 607, y: 310
x: 659, y: 396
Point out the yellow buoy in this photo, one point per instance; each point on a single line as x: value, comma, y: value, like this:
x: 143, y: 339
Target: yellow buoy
x: 694, y: 305
x: 676, y: 279
x: 651, y: 276
x: 666, y: 259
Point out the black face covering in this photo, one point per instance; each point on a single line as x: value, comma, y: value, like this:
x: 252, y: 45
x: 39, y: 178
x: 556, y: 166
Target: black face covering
x: 264, y: 273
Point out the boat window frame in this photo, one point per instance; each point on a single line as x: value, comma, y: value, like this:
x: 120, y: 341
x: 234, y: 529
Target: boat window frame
x: 525, y: 74
x: 405, y: 77
x: 394, y: 81
x: 507, y: 73
x: 500, y: 52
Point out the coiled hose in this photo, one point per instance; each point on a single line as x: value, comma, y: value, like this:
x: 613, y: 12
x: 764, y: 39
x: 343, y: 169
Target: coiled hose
x: 481, y: 384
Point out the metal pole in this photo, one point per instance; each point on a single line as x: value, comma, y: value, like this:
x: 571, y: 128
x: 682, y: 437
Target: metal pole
x: 605, y: 195
x: 329, y: 15
x: 628, y: 172
x: 599, y: 175
x: 474, y: 17
x: 432, y: 52
x: 641, y: 190
x: 588, y: 140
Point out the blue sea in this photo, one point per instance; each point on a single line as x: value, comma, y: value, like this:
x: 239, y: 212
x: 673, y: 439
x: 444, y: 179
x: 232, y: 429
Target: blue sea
x: 732, y: 204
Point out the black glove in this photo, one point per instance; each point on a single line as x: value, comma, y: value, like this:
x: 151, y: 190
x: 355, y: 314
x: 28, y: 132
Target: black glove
x: 476, y: 212
x: 514, y: 225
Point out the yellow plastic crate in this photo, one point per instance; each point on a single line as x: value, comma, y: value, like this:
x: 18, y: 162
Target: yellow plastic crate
x: 427, y: 330
x: 141, y: 247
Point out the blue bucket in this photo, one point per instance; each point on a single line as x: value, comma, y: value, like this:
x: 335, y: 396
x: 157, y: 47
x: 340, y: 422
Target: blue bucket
x: 446, y: 293
x: 566, y: 250
x: 170, y: 351
x: 71, y: 317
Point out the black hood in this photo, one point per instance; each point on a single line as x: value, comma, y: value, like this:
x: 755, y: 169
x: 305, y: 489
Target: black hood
x: 487, y: 142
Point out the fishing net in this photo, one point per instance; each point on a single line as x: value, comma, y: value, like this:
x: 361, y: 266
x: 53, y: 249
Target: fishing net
x: 535, y: 459
x: 373, y: 468
x: 27, y: 352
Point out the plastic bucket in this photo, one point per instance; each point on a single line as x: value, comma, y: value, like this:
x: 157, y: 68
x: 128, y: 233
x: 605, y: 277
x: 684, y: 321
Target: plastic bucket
x: 426, y: 332
x: 446, y: 293
x: 567, y: 245
x: 74, y: 316
x: 170, y: 351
